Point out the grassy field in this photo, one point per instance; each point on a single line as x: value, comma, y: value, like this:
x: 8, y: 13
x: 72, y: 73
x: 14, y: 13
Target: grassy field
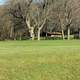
x: 40, y: 60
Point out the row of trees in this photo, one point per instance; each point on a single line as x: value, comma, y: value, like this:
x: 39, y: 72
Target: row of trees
x: 19, y: 18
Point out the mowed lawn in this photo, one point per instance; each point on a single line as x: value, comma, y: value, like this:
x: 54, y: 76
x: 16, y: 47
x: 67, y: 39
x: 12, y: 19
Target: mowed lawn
x: 40, y: 60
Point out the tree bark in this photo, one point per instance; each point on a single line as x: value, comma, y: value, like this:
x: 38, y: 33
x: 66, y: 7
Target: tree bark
x: 39, y: 34
x: 40, y: 28
x: 20, y: 36
x: 62, y: 26
x: 31, y: 29
x: 62, y: 34
x: 68, y: 33
x: 11, y: 32
x: 15, y: 36
x: 31, y: 33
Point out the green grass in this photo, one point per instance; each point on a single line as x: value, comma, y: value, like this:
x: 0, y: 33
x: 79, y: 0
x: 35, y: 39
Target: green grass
x: 40, y: 60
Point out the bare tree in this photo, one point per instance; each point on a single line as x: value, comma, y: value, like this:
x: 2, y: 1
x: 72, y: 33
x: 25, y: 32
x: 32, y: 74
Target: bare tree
x: 32, y: 16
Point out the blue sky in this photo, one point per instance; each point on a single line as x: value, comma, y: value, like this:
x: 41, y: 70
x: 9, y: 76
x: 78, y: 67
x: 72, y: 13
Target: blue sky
x: 2, y: 2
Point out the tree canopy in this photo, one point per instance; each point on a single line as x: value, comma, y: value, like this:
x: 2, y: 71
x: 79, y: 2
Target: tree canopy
x: 30, y: 18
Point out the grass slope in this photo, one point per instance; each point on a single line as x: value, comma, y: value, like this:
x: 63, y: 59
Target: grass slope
x: 40, y: 60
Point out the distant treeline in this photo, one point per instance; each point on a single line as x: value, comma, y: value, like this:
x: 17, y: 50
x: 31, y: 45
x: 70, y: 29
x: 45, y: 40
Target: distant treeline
x: 41, y: 19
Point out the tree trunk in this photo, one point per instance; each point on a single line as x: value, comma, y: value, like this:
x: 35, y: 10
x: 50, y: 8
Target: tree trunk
x: 62, y: 28
x: 39, y: 34
x: 11, y: 32
x: 68, y: 33
x: 31, y: 33
x: 20, y: 36
x: 31, y: 29
x: 15, y: 37
x: 40, y: 28
x: 62, y: 34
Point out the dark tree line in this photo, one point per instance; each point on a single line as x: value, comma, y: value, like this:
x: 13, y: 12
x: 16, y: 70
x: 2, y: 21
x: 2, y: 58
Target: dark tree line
x: 28, y: 19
